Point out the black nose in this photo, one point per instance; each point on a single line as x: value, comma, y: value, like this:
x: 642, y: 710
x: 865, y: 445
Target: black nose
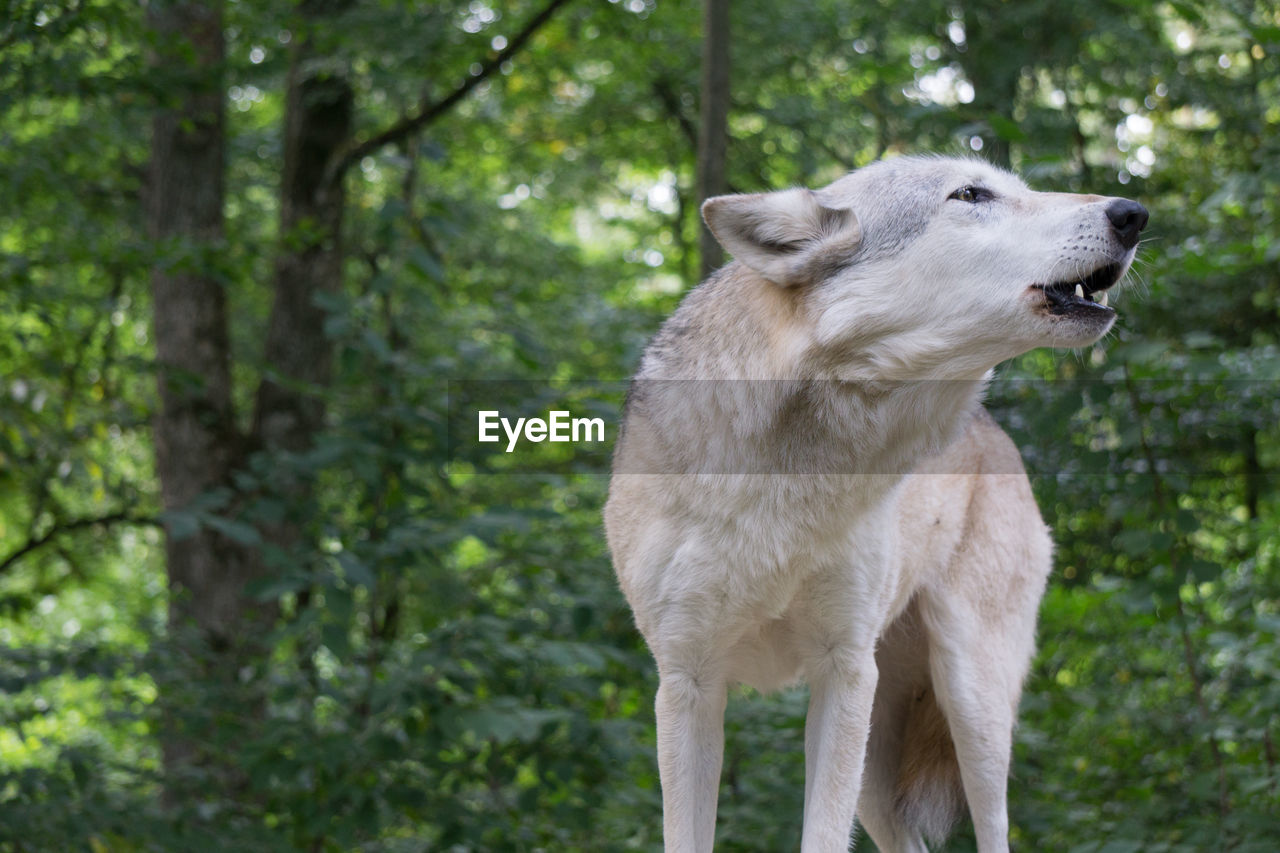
x: 1128, y: 218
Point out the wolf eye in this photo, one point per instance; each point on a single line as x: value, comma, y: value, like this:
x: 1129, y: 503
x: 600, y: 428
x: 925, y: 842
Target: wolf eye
x: 972, y: 195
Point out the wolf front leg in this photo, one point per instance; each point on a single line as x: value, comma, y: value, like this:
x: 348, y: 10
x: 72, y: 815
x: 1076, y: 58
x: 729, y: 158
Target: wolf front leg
x: 690, y: 716
x: 843, y: 613
x: 835, y: 745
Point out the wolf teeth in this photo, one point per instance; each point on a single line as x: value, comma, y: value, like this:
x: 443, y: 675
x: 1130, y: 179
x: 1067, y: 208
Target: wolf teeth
x: 1102, y: 299
x: 1079, y: 291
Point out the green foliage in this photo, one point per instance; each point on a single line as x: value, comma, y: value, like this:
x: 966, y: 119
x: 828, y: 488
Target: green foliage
x: 453, y: 667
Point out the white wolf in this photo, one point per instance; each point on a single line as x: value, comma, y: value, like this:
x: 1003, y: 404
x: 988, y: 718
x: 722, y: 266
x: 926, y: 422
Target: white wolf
x: 762, y: 523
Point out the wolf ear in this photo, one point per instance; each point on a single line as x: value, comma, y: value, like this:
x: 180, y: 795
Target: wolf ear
x: 789, y: 237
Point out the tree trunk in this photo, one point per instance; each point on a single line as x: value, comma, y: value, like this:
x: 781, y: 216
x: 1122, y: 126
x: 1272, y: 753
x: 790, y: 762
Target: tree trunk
x: 713, y: 131
x: 195, y: 436
x: 1254, y: 473
x: 318, y: 113
x: 319, y: 105
x: 988, y: 65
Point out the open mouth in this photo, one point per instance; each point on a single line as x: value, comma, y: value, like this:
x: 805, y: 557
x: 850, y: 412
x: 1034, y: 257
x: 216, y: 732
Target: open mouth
x: 1082, y: 294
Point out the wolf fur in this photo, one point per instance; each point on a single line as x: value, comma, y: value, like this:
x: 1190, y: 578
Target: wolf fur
x: 806, y: 487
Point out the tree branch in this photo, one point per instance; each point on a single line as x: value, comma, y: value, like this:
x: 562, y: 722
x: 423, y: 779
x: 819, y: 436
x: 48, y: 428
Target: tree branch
x: 35, y: 543
x: 428, y: 111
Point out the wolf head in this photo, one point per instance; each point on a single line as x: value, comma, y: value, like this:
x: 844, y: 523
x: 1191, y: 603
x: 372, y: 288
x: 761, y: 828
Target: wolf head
x: 937, y: 267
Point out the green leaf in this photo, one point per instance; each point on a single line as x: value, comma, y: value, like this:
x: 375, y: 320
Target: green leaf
x: 1204, y: 571
x: 356, y: 571
x: 1117, y: 845
x: 425, y: 264
x: 180, y: 524
x: 233, y: 529
x: 272, y: 588
x: 1006, y: 129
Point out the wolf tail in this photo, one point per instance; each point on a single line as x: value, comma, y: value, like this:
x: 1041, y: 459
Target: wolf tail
x: 929, y: 796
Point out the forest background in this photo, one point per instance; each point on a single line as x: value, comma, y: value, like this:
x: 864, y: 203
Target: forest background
x: 253, y: 598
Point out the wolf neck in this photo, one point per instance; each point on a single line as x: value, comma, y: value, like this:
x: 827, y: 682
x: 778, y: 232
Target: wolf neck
x: 774, y: 332
x: 848, y: 409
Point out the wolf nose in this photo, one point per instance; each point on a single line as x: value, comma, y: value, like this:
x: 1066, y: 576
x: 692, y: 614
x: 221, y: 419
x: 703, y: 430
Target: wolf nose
x: 1128, y: 218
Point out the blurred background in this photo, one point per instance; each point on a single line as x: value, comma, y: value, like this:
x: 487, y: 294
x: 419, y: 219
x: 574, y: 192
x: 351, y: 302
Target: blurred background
x: 250, y: 600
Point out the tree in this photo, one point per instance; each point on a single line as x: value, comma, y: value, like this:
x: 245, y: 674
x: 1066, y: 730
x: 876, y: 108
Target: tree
x: 199, y: 448
x: 713, y: 129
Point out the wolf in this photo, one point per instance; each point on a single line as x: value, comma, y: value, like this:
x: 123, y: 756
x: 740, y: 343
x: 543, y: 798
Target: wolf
x: 806, y: 487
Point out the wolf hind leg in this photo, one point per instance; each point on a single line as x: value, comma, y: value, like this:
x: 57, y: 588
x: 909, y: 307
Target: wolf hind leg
x: 977, y: 679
